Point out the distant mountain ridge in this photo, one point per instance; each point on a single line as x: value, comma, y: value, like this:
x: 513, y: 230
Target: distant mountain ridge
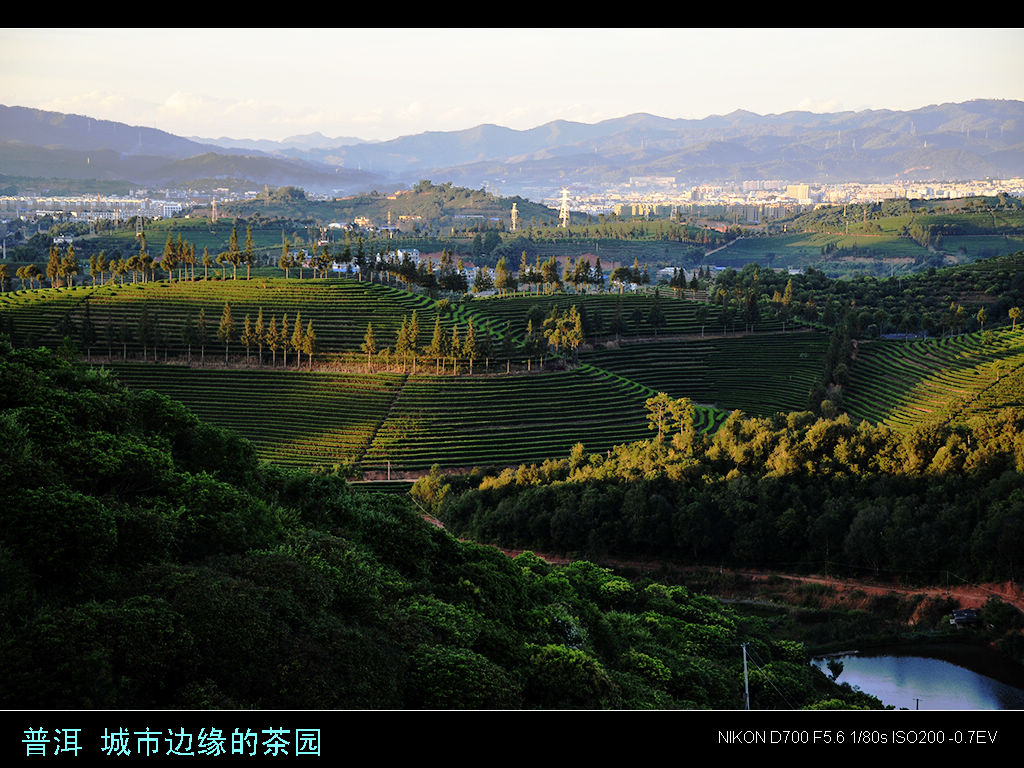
x: 315, y: 140
x: 974, y: 139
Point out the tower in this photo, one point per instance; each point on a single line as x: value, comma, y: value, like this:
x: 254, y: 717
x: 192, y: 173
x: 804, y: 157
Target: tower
x: 563, y: 212
x: 515, y: 217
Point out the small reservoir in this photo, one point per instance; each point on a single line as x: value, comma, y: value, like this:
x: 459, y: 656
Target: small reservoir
x: 958, y: 678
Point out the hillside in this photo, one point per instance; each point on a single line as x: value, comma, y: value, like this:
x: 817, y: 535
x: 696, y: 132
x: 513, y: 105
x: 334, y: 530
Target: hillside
x: 465, y: 383
x: 150, y: 562
x: 390, y: 412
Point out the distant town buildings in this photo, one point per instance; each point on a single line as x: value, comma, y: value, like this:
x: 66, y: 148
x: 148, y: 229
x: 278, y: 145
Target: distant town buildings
x: 750, y: 201
x: 758, y: 200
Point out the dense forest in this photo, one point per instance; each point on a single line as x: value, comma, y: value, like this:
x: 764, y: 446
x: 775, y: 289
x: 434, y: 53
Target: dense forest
x: 149, y: 561
x: 791, y: 492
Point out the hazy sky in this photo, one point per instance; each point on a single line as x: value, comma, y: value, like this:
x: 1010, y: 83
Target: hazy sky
x: 383, y: 83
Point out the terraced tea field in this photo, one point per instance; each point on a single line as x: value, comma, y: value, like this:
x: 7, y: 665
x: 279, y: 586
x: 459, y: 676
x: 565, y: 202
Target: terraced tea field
x: 902, y: 384
x: 680, y: 314
x: 759, y: 374
x: 339, y: 309
x: 405, y: 422
x: 294, y: 418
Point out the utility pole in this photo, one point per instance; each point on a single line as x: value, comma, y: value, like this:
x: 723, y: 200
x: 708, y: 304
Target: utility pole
x: 746, y: 680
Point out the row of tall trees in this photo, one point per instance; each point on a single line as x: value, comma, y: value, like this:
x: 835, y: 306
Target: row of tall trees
x: 558, y: 332
x: 443, y: 347
x: 197, y: 330
x: 269, y: 335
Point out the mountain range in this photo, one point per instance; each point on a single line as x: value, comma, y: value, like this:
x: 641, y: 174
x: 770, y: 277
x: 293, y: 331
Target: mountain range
x: 974, y: 139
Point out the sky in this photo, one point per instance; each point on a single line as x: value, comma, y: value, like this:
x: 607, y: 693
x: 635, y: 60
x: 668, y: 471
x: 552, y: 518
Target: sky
x: 378, y: 84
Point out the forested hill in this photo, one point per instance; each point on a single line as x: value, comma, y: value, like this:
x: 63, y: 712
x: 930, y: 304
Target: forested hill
x: 148, y: 561
x: 425, y: 205
x: 789, y: 492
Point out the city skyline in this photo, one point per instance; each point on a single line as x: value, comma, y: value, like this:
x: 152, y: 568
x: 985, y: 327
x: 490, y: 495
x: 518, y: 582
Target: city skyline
x: 378, y: 84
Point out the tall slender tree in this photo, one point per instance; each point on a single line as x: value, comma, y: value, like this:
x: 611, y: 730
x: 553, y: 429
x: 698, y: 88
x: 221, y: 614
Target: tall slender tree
x: 436, y: 348
x: 309, y: 343
x: 297, y: 336
x: 226, y: 330
x: 247, y: 336
x: 285, y: 337
x: 259, y: 334
x: 470, y: 347
x: 273, y: 340
x: 369, y: 346
x: 285, y: 262
x: 250, y: 252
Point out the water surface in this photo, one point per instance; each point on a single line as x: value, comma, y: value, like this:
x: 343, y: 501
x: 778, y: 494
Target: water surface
x: 917, y: 682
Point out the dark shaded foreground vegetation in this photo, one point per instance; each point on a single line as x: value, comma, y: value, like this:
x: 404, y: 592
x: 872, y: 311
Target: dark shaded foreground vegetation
x: 147, y: 560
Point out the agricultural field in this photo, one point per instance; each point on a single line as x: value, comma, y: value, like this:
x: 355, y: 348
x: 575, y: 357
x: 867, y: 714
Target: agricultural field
x: 339, y: 309
x: 681, y: 316
x: 305, y: 419
x: 971, y: 247
x: 388, y: 424
x: 834, y: 253
x: 903, y: 384
x: 335, y: 414
x: 758, y: 374
x: 391, y: 419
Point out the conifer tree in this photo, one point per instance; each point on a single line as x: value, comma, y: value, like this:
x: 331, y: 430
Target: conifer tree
x: 273, y: 340
x: 285, y: 262
x: 284, y: 337
x: 297, y: 344
x: 454, y: 348
x: 436, y: 348
x: 226, y: 330
x: 309, y: 343
x: 259, y: 334
x: 469, y: 346
x: 247, y: 336
x: 250, y: 252
x: 369, y: 345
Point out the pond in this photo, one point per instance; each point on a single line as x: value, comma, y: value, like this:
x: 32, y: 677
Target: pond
x: 910, y: 680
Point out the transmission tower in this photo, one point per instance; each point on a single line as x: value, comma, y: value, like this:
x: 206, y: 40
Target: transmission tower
x: 515, y: 217
x: 563, y: 212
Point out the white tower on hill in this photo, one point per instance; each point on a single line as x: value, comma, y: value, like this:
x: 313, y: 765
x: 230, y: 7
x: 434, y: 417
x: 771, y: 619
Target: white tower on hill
x: 563, y: 212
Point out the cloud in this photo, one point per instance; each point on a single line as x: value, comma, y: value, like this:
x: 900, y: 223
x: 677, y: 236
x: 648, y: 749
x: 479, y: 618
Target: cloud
x: 98, y: 104
x: 809, y: 104
x: 184, y: 105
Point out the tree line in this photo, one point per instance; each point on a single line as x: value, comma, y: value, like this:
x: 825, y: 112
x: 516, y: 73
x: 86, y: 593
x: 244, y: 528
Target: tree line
x: 150, y: 332
x: 793, y: 491
x: 557, y: 332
